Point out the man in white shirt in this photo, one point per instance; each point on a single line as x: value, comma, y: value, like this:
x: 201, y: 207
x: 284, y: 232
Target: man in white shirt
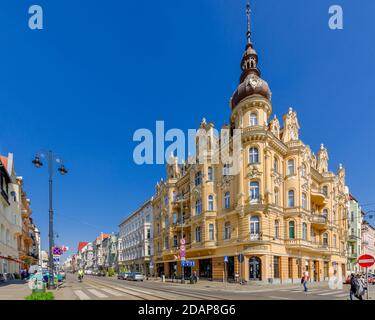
x: 305, y: 278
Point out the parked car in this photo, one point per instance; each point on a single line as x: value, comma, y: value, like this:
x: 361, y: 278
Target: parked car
x: 135, y: 276
x: 88, y: 272
x: 123, y: 275
x: 101, y: 273
x: 2, y: 278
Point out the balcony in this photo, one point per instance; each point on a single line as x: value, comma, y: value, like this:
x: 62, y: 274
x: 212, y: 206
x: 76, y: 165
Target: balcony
x: 318, y: 197
x: 353, y: 238
x: 319, y: 222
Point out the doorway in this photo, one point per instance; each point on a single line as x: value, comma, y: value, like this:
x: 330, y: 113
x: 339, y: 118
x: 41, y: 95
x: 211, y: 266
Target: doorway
x: 255, y: 268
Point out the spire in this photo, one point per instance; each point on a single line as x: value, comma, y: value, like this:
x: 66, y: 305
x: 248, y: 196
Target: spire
x: 249, y: 63
x: 248, y: 13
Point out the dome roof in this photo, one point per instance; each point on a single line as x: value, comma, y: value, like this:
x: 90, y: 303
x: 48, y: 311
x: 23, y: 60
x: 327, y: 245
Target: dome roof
x: 251, y: 85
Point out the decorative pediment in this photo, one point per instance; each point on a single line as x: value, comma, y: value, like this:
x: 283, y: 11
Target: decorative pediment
x: 225, y: 182
x: 254, y: 172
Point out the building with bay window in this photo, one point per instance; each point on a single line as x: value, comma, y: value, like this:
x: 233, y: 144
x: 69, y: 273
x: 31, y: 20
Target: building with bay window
x: 285, y: 210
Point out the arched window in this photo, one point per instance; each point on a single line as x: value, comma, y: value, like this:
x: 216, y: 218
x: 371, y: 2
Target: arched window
x: 174, y: 217
x: 254, y: 191
x: 290, y: 170
x: 253, y: 119
x: 291, y: 199
x: 304, y: 231
x: 303, y: 170
x: 175, y: 241
x: 226, y: 169
x: 227, y: 200
x: 254, y: 228
x: 210, y: 174
x: 304, y: 201
x: 325, y: 239
x: 227, y: 230
x: 253, y: 155
x: 292, y: 232
x: 275, y: 164
x: 211, y: 202
x: 198, y: 206
x: 276, y: 197
x: 277, y: 229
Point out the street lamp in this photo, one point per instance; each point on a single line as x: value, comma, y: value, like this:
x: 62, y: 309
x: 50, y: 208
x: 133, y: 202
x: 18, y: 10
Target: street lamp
x: 51, y: 158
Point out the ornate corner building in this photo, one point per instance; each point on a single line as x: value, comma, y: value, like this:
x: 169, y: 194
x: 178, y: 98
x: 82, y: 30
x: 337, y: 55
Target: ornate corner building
x: 284, y: 211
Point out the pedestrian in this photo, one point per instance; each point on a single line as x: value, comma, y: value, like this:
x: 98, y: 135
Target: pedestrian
x: 304, y: 279
x: 353, y: 286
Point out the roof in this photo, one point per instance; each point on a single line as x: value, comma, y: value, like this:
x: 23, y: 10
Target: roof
x: 105, y: 236
x: 81, y: 245
x: 4, y: 161
x: 351, y: 197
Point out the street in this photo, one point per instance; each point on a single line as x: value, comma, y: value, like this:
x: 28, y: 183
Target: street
x: 98, y: 288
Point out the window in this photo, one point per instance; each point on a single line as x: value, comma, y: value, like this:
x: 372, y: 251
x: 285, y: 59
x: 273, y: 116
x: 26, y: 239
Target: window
x: 352, y: 216
x: 210, y: 174
x: 325, y: 214
x: 148, y: 218
x: 166, y: 243
x: 198, y: 234
x: 276, y: 196
x: 148, y: 234
x: 174, y: 217
x: 175, y: 241
x: 304, y: 202
x: 198, y: 206
x: 253, y: 119
x: 149, y: 250
x: 277, y: 229
x: 254, y: 191
x: 166, y: 200
x: 325, y: 239
x: 291, y: 199
x: 254, y: 228
x: 227, y: 230
x: 325, y: 191
x: 198, y: 178
x: 290, y: 167
x: 275, y: 164
x: 227, y: 200
x: 211, y: 235
x: 304, y: 231
x: 211, y: 202
x: 276, y: 267
x: 166, y: 221
x: 253, y: 155
x: 303, y: 170
x: 226, y: 169
x: 291, y: 230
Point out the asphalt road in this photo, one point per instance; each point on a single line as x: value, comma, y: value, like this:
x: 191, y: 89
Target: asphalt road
x: 97, y: 288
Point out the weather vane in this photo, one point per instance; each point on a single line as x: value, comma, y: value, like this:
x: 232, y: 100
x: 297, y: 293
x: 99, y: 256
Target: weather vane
x: 248, y: 12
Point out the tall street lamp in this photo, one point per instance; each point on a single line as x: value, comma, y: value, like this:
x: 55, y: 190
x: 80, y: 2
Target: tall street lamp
x: 51, y: 158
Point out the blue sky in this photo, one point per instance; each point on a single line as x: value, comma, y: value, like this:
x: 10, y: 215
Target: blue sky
x: 100, y: 70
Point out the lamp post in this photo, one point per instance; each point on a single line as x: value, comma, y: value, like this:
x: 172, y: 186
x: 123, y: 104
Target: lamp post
x: 51, y: 159
x: 181, y: 199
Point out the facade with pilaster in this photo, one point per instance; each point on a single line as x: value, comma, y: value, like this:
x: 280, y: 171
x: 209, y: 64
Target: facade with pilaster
x: 285, y: 211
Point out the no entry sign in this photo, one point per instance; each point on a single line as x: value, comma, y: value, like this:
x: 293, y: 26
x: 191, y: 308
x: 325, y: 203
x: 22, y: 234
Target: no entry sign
x: 366, y: 261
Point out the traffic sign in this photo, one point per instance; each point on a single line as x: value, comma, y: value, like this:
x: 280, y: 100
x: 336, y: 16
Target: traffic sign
x: 226, y: 259
x: 182, y: 241
x: 188, y: 263
x: 240, y: 257
x: 56, y: 251
x: 366, y: 261
x: 182, y: 248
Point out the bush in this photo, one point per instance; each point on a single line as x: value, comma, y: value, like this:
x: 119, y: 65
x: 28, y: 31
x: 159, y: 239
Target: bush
x: 111, y: 272
x: 40, y: 296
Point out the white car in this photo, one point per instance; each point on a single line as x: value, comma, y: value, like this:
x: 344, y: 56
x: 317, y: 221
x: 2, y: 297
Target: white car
x: 135, y: 276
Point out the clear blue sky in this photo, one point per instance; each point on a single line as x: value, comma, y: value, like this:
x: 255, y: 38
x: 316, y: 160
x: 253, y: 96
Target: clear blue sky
x: 100, y: 70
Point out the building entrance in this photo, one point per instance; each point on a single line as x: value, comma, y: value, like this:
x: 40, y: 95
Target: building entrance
x: 254, y: 268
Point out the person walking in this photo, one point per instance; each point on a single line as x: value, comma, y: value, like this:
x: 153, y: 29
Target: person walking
x: 305, y: 278
x: 353, y: 286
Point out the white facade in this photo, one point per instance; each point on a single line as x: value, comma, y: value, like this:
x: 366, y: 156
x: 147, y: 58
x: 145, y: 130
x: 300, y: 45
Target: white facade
x: 135, y: 245
x: 10, y: 217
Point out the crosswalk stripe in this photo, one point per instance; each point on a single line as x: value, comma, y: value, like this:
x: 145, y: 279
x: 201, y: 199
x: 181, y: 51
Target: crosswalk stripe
x: 97, y: 293
x: 328, y: 293
x: 134, y: 290
x: 342, y: 295
x: 112, y: 292
x: 81, y: 295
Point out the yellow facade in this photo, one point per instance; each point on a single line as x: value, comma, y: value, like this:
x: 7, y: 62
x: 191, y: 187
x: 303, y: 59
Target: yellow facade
x: 284, y: 210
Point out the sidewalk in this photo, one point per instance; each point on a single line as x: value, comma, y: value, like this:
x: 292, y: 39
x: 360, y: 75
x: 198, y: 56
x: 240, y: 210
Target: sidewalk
x: 14, y: 290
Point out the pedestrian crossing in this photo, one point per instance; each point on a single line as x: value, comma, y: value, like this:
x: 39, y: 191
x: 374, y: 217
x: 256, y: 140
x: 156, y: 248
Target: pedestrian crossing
x: 318, y: 292
x: 89, y: 293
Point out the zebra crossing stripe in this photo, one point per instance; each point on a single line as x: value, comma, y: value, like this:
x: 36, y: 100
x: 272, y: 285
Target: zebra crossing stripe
x: 342, y: 295
x: 131, y: 290
x: 97, y: 293
x: 81, y: 295
x: 332, y: 292
x: 112, y: 292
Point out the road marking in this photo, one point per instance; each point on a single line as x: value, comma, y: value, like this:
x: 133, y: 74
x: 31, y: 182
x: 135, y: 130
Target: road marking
x: 112, y: 292
x: 132, y: 291
x: 97, y: 293
x: 279, y: 298
x: 342, y: 295
x: 81, y: 295
x: 328, y: 293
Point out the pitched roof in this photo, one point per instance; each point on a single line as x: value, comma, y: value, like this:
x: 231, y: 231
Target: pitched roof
x: 105, y: 236
x: 81, y: 245
x: 4, y: 161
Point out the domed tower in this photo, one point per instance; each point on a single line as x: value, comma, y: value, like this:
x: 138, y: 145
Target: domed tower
x: 251, y: 102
